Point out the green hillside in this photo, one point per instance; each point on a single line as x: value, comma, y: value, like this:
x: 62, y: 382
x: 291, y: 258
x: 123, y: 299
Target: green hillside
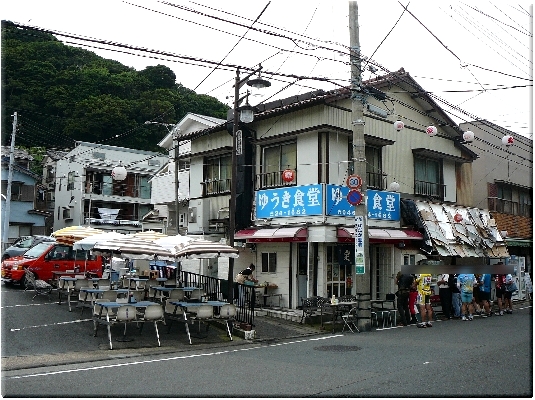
x: 64, y: 93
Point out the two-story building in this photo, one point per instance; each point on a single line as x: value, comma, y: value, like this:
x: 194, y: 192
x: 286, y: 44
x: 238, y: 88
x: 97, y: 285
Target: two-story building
x: 86, y: 193
x: 293, y: 217
x: 27, y: 208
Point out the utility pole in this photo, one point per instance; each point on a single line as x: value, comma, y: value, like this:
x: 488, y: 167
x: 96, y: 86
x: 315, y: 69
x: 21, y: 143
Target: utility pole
x: 358, y: 98
x: 5, y: 232
x: 176, y: 178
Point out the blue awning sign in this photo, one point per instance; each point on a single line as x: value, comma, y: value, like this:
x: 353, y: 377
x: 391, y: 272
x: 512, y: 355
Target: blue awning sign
x: 289, y: 201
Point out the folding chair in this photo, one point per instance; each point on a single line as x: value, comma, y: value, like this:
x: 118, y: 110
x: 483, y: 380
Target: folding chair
x: 350, y: 320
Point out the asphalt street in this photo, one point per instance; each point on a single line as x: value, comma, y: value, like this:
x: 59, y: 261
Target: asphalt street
x: 484, y: 357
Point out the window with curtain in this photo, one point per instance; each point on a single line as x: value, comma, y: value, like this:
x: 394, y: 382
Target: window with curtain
x: 374, y: 167
x: 217, y: 175
x: 275, y: 159
x: 428, y: 177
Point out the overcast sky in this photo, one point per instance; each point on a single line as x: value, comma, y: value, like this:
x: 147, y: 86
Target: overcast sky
x: 475, y: 55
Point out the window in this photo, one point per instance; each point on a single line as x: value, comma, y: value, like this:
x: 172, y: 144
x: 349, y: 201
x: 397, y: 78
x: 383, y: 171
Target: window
x: 183, y: 165
x: 269, y: 262
x: 428, y: 178
x: 510, y: 199
x: 217, y: 175
x: 70, y: 181
x: 275, y: 159
x: 374, y: 170
x: 66, y: 213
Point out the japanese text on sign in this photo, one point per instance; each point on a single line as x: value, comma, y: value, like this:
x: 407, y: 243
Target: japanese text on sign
x: 289, y: 201
x: 337, y: 203
x: 359, y: 245
x: 383, y: 205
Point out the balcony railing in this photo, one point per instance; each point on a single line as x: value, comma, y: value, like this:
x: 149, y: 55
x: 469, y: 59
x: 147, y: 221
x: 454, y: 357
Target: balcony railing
x: 219, y: 186
x: 271, y: 180
x: 376, y: 180
x: 509, y: 207
x: 117, y: 189
x: 433, y: 189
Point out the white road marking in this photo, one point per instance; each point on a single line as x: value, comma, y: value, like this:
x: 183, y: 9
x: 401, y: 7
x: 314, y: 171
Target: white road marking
x: 216, y: 353
x: 55, y: 323
x: 29, y: 305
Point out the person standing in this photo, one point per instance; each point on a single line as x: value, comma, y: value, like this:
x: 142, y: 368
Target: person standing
x: 455, y: 296
x: 445, y: 294
x: 499, y: 280
x: 245, y: 276
x: 424, y: 300
x: 413, y: 297
x: 484, y: 294
x: 510, y: 288
x: 465, y: 282
x: 404, y: 282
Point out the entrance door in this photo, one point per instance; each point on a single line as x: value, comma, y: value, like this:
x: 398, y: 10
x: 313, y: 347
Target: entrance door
x: 302, y: 268
x: 382, y: 270
x: 338, y: 283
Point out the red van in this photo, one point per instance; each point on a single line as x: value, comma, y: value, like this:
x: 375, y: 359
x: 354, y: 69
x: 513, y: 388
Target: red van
x: 46, y: 257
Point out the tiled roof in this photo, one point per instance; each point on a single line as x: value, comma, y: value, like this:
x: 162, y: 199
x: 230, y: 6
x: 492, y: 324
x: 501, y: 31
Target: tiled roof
x: 516, y: 226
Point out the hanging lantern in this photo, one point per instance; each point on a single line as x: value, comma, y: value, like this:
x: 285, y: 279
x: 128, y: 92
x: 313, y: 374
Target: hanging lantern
x: 457, y: 217
x: 288, y: 175
x: 394, y: 187
x: 508, y: 140
x: 399, y: 125
x: 431, y: 130
x: 468, y: 136
x: 118, y: 173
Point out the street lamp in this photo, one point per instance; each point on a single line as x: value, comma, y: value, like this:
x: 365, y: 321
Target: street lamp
x: 246, y: 115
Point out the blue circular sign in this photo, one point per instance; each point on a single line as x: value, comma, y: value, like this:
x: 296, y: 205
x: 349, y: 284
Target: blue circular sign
x: 354, y: 197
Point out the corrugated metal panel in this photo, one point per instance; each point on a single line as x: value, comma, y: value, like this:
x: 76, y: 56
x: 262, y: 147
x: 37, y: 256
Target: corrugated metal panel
x: 475, y: 236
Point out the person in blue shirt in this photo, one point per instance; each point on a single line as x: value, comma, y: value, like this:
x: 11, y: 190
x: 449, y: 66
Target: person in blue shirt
x: 484, y: 294
x: 465, y: 282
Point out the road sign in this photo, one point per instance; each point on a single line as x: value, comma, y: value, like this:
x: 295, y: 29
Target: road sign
x: 354, y: 181
x: 354, y: 197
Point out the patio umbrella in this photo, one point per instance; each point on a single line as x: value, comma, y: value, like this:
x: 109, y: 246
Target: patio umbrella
x: 134, y: 248
x: 88, y: 242
x: 72, y: 234
x: 174, y: 243
x: 149, y: 235
x: 201, y: 248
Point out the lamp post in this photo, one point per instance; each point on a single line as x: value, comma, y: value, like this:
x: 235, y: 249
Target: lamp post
x: 246, y: 115
x: 175, y: 156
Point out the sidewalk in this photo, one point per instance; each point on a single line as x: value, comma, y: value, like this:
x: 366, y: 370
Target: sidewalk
x: 266, y: 329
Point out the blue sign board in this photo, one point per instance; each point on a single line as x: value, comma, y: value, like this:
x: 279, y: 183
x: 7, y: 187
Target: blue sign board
x: 383, y: 205
x: 290, y: 201
x: 337, y: 203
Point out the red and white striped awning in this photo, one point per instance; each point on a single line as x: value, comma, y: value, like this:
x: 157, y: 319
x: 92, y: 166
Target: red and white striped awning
x: 348, y: 234
x: 289, y: 234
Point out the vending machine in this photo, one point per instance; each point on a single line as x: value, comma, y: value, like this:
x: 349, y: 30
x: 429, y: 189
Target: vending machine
x: 519, y: 265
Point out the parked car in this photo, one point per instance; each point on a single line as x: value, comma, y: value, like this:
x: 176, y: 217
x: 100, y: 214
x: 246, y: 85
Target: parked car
x: 23, y: 243
x: 45, y: 258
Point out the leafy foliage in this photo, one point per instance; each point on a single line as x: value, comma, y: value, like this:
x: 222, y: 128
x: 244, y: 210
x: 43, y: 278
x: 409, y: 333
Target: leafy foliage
x: 65, y: 93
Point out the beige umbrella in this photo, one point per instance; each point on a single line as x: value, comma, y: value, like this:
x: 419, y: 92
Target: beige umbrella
x: 72, y: 234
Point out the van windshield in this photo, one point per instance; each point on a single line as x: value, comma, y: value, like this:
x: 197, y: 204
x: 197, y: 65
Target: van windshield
x: 37, y: 250
x: 25, y: 242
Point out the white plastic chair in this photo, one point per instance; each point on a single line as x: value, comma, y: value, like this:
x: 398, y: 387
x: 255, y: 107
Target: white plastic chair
x: 227, y: 312
x: 203, y: 313
x: 153, y: 313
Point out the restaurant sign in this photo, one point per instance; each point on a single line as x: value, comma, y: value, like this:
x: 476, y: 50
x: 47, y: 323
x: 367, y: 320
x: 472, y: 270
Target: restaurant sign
x: 383, y: 205
x: 291, y: 201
